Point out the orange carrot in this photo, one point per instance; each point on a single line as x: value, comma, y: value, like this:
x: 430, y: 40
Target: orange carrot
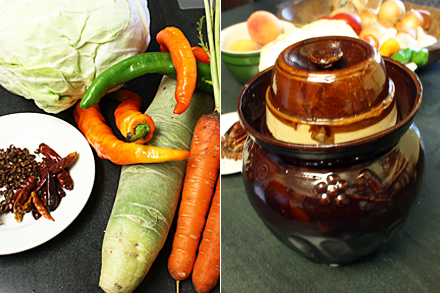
x: 100, y: 136
x: 206, y: 271
x: 134, y: 125
x: 173, y: 40
x: 200, y: 54
x: 198, y: 187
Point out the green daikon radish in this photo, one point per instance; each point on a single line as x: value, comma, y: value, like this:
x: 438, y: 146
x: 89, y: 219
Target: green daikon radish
x: 148, y: 195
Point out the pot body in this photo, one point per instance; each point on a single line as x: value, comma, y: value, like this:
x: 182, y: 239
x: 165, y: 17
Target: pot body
x: 335, y: 211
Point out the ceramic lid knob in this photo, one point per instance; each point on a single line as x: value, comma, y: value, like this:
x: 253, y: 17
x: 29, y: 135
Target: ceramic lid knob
x: 326, y: 57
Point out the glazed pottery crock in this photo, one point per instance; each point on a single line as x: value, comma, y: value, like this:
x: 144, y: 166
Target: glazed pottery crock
x: 335, y: 203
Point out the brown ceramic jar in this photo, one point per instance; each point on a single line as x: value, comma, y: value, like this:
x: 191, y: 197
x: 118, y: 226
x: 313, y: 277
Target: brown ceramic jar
x: 336, y: 204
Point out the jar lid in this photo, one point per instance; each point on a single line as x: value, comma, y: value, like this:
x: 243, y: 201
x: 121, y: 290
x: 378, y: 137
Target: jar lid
x: 328, y: 78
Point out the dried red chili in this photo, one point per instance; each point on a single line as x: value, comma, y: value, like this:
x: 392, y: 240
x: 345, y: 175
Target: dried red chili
x: 26, y: 187
x: 52, y: 195
x: 40, y: 207
x: 52, y: 156
x: 21, y: 204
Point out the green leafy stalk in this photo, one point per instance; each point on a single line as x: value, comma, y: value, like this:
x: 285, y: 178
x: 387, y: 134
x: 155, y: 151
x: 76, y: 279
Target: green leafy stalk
x: 217, y: 36
x: 213, y: 29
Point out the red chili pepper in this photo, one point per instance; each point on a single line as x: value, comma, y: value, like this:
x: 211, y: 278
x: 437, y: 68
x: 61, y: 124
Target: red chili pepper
x: 40, y: 207
x: 26, y: 187
x: 173, y: 40
x: 53, y: 199
x: 20, y: 205
x: 42, y: 173
x: 201, y: 55
x: 63, y: 176
x: 53, y: 169
x: 63, y: 164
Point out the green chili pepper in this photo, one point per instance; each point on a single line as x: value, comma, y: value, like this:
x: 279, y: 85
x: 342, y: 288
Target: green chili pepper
x: 133, y: 67
x: 403, y: 55
x: 420, y: 56
x: 416, y: 55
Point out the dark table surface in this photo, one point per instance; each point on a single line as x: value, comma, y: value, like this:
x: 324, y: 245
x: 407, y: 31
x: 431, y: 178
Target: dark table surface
x: 253, y: 260
x: 71, y: 262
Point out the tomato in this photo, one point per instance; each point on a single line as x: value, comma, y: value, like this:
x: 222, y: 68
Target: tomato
x: 351, y: 19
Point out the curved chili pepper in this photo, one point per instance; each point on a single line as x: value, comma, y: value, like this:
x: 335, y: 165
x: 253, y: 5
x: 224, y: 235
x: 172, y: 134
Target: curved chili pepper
x: 134, y: 125
x: 63, y: 176
x: 40, y: 207
x: 63, y: 164
x: 136, y: 66
x: 200, y: 54
x: 53, y: 199
x: 42, y: 173
x: 185, y: 63
x: 108, y: 146
x: 54, y: 168
x: 20, y: 204
x: 23, y: 191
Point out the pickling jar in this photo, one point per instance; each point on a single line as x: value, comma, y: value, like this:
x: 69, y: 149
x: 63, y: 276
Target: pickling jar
x: 335, y: 203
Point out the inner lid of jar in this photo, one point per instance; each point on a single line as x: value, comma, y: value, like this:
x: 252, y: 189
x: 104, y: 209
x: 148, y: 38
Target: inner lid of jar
x: 328, y: 78
x: 326, y: 56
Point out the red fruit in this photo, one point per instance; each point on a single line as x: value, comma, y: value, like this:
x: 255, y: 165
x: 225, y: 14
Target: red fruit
x: 351, y: 19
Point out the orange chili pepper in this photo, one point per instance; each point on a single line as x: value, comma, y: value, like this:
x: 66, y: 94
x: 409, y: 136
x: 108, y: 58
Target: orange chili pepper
x: 134, y: 125
x: 40, y: 206
x: 389, y: 47
x: 200, y: 54
x: 372, y: 40
x: 173, y: 40
x: 100, y: 136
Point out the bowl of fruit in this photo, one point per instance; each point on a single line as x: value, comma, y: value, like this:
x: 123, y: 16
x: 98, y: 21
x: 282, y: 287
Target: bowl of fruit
x: 241, y: 43
x: 404, y: 31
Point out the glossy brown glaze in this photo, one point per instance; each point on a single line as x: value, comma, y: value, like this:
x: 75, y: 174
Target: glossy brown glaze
x: 335, y: 204
x: 328, y: 78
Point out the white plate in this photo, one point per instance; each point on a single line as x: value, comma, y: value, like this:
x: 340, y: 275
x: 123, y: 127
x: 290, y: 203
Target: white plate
x: 228, y: 166
x: 28, y: 130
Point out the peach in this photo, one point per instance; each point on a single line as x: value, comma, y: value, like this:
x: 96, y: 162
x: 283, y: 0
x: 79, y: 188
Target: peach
x: 244, y: 45
x: 264, y: 27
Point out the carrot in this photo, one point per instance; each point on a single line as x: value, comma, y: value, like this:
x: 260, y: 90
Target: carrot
x: 200, y: 54
x: 134, y: 125
x: 148, y: 195
x: 108, y: 146
x: 173, y: 40
x: 198, y: 187
x: 206, y: 271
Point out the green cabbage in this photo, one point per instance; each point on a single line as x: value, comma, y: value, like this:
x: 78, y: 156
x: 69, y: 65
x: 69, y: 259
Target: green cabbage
x: 52, y: 50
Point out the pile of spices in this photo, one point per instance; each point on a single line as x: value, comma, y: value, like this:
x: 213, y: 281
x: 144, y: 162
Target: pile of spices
x: 16, y: 164
x: 31, y: 186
